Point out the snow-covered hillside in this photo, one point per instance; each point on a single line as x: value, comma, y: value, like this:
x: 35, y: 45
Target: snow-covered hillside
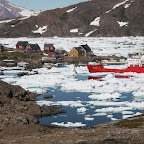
x: 8, y: 10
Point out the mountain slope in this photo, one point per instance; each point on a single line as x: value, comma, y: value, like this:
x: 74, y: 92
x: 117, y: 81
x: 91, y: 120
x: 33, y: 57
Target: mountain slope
x: 92, y: 18
x: 8, y: 10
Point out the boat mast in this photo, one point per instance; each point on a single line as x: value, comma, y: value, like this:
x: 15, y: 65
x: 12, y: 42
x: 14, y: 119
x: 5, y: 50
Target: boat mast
x: 139, y: 56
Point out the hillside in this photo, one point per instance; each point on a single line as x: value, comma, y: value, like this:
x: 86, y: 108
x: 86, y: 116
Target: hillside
x: 87, y: 19
x: 8, y: 10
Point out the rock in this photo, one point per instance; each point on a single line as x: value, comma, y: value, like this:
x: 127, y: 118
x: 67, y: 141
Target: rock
x: 22, y: 74
x: 17, y: 106
x: 48, y: 96
x: 110, y: 141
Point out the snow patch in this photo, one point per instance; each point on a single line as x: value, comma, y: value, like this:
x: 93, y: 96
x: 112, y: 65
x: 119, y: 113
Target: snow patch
x: 119, y: 4
x: 7, y: 21
x: 121, y: 24
x: 74, y: 30
x: 96, y: 22
x: 89, y: 33
x: 70, y: 10
x: 127, y: 5
x: 41, y: 30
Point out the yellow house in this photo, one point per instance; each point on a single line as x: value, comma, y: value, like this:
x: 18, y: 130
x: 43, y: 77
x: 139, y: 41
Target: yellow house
x: 77, y: 52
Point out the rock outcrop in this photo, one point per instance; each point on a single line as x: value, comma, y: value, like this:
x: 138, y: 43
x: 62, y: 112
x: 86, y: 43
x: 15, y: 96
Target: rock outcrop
x: 18, y: 106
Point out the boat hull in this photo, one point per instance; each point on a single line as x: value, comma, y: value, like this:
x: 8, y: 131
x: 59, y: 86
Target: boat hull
x: 98, y: 68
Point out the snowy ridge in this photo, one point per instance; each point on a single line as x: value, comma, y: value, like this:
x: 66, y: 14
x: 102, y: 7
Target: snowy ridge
x: 11, y: 11
x: 25, y: 12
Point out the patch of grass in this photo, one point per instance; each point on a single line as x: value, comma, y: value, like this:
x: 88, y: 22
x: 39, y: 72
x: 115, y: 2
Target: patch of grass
x: 15, y: 55
x: 131, y: 123
x: 21, y: 56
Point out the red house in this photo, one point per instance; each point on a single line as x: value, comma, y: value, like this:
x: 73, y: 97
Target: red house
x: 53, y: 55
x: 21, y: 44
x: 49, y: 48
x: 32, y: 48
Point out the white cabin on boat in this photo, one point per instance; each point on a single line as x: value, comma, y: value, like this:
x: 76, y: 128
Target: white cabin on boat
x: 134, y: 60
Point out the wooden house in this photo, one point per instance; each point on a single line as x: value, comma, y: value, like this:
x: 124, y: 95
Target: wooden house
x: 49, y: 48
x: 87, y: 49
x: 32, y: 48
x: 53, y: 55
x: 77, y: 52
x: 62, y: 53
x: 21, y: 45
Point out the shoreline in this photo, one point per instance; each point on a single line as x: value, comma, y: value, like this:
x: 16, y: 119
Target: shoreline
x: 19, y: 110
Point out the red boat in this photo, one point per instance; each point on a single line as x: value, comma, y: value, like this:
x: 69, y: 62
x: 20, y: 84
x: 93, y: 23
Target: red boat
x: 134, y: 65
x: 100, y: 68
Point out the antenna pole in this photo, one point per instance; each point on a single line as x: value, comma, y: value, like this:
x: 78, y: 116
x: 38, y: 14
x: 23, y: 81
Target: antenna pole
x: 139, y: 56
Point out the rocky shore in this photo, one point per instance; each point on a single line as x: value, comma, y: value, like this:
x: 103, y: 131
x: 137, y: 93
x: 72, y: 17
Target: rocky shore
x: 18, y: 106
x: 19, y: 123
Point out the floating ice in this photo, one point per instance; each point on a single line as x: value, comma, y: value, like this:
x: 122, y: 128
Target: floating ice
x: 81, y: 110
x: 105, y: 96
x: 89, y: 119
x: 127, y: 112
x: 69, y: 124
x: 109, y: 116
x: 63, y: 103
x: 114, y: 119
x: 126, y: 116
x: 138, y: 93
x: 113, y: 109
x: 99, y: 114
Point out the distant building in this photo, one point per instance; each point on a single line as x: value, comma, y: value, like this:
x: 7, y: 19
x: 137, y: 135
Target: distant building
x: 88, y: 51
x: 49, y: 48
x: 32, y: 48
x: 53, y: 55
x: 21, y: 45
x: 62, y: 53
x: 77, y: 52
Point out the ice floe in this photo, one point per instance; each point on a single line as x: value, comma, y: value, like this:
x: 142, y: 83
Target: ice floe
x: 105, y: 96
x: 81, y: 110
x: 69, y: 124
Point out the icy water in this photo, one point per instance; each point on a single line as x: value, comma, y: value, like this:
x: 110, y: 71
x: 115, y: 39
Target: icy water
x: 87, y: 117
x: 87, y: 102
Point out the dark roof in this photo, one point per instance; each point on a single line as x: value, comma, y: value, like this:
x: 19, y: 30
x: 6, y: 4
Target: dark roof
x: 34, y: 46
x: 86, y: 47
x: 22, y: 43
x: 80, y: 50
x: 48, y: 45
